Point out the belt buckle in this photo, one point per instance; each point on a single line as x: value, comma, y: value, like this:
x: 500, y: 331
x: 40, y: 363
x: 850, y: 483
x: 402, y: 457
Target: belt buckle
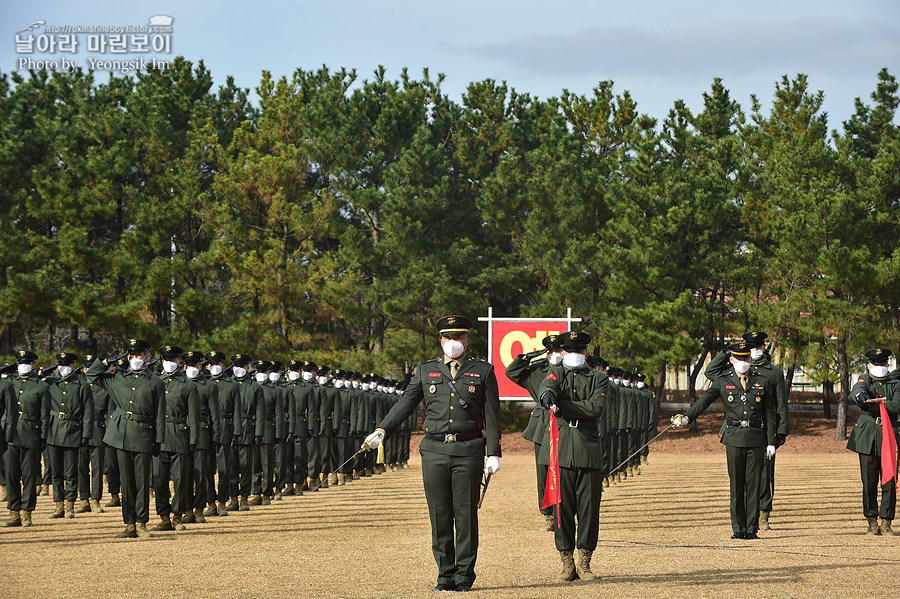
x: 21, y: 414
x: 878, y: 420
x: 129, y: 415
x: 573, y: 423
x: 745, y: 423
x: 449, y: 437
x: 61, y: 415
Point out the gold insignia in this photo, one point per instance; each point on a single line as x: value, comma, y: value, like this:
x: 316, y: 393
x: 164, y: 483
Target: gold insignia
x: 451, y: 320
x: 432, y: 389
x: 758, y: 399
x: 132, y: 341
x: 730, y: 397
x: 879, y: 352
x: 22, y: 353
x: 471, y: 388
x: 168, y: 348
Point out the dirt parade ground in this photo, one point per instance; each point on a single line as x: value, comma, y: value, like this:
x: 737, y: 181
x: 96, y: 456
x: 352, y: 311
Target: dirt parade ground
x: 664, y: 533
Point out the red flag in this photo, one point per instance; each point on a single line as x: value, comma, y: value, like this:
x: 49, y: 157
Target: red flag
x: 888, y: 448
x: 552, y: 495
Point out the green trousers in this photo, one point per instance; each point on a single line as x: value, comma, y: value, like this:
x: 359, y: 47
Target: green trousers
x: 745, y: 466
x: 452, y: 489
x: 581, y: 490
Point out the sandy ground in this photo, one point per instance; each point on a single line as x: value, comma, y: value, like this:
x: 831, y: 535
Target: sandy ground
x: 664, y: 533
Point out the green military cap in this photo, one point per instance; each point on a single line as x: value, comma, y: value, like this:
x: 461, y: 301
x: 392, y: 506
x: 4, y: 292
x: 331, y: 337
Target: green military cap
x: 454, y: 325
x: 64, y: 358
x: 741, y: 350
x: 338, y: 373
x: 574, y: 340
x: 262, y: 365
x: 136, y: 346
x: 23, y: 356
x: 167, y: 352
x: 355, y: 376
x: 192, y: 357
x: 551, y: 342
x: 240, y: 359
x: 323, y: 371
x: 641, y: 377
x: 309, y: 366
x: 294, y: 365
x: 878, y: 355
x: 755, y: 338
x: 215, y: 356
x: 277, y: 365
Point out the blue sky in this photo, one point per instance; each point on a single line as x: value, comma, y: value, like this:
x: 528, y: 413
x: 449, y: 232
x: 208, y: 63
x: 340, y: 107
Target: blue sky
x: 660, y: 51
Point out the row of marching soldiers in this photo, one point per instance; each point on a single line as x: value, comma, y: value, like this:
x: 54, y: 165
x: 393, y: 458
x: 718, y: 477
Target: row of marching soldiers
x: 624, y: 427
x: 226, y: 436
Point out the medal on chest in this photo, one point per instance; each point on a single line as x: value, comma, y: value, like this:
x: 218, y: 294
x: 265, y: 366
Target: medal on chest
x: 432, y: 389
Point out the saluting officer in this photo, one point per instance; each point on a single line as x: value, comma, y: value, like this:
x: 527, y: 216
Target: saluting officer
x: 461, y: 398
x: 578, y: 396
x: 135, y: 428
x: 176, y: 460
x: 71, y: 425
x: 866, y: 438
x: 27, y: 425
x: 748, y: 435
x: 529, y: 374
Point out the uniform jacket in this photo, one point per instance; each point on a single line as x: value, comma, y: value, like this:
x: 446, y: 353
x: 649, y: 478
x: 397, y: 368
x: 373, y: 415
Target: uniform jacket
x: 529, y: 375
x: 71, y: 411
x: 136, y: 413
x: 298, y: 403
x: 100, y: 400
x: 720, y: 365
x: 227, y: 398
x: 250, y: 411
x: 865, y: 437
x: 313, y: 408
x: 476, y: 382
x: 582, y: 395
x: 342, y: 412
x: 182, y: 413
x: 755, y: 403
x: 209, y: 418
x: 328, y: 395
x: 274, y: 412
x: 27, y: 422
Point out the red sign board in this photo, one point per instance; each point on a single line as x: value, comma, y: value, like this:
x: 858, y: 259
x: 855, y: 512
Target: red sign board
x: 510, y: 338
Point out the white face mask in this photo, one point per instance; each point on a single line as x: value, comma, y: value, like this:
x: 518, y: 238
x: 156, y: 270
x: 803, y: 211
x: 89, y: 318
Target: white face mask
x: 640, y: 385
x: 322, y: 380
x: 573, y: 360
x: 399, y: 391
x: 741, y: 367
x: 136, y: 363
x: 338, y: 384
x: 261, y: 377
x: 756, y: 354
x: 239, y: 372
x: 307, y: 376
x: 215, y: 369
x: 356, y: 384
x: 274, y: 376
x: 391, y: 389
x: 24, y: 369
x: 555, y: 359
x: 64, y: 371
x: 170, y: 367
x: 878, y: 371
x: 453, y: 348
x: 381, y: 388
x: 293, y: 375
x: 192, y: 372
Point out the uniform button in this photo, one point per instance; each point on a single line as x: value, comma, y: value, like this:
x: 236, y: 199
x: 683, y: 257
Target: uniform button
x: 451, y: 420
x: 62, y: 404
x: 134, y: 389
x: 130, y: 402
x: 451, y: 407
x: 64, y: 392
x: 452, y: 395
x: 167, y: 391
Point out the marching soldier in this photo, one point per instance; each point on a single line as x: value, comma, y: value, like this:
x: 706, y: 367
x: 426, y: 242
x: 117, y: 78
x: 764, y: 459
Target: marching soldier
x: 313, y: 424
x: 204, y: 459
x: 298, y: 401
x: 529, y: 375
x: 328, y: 395
x: 652, y: 414
x: 227, y: 401
x: 284, y: 450
x: 870, y: 388
x: 27, y: 425
x: 341, y: 420
x: 273, y: 429
x: 71, y: 425
x: 92, y: 457
x: 762, y: 366
x: 248, y: 428
x: 461, y: 399
x: 748, y: 434
x: 135, y: 428
x: 176, y: 459
x: 578, y: 396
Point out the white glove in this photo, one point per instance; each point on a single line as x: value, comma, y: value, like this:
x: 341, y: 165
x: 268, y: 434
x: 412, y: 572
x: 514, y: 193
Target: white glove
x: 770, y: 451
x: 492, y: 465
x: 374, y: 439
x: 679, y: 419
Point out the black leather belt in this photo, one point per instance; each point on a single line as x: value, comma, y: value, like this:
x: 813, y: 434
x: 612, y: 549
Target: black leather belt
x: 578, y: 423
x: 453, y: 437
x: 132, y: 416
x: 755, y: 423
x: 176, y: 419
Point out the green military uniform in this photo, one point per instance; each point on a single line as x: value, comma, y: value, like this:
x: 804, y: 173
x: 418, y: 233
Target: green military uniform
x: 327, y: 396
x: 71, y: 427
x: 358, y: 422
x: 607, y: 427
x: 652, y: 415
x: 341, y: 421
x: 27, y: 426
x: 92, y: 457
x: 749, y: 413
x: 313, y: 424
x: 579, y: 395
x: 135, y: 427
x: 204, y: 459
x: 866, y: 438
x: 273, y: 430
x: 284, y: 449
x: 227, y: 401
x: 528, y: 375
x: 453, y: 449
x: 298, y: 404
x: 175, y: 461
x: 248, y: 426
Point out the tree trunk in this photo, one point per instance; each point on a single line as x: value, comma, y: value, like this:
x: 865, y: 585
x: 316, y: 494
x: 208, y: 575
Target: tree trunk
x: 844, y: 370
x: 827, y: 398
x: 692, y: 382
